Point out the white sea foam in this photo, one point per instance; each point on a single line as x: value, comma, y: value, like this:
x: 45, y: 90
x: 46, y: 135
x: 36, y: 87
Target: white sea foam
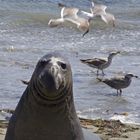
x: 125, y: 119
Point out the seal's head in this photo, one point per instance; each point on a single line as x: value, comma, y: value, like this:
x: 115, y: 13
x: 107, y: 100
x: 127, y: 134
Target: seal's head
x: 52, y: 77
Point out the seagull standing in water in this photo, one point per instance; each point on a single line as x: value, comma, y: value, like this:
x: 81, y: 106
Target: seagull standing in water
x: 119, y: 83
x: 100, y: 11
x: 73, y: 15
x: 100, y: 63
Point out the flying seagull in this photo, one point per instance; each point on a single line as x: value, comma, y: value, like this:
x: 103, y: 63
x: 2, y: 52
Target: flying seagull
x: 100, y: 11
x: 74, y: 15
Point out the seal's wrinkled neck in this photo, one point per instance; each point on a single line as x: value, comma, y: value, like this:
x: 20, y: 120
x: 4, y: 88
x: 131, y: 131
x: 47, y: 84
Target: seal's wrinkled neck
x: 38, y: 94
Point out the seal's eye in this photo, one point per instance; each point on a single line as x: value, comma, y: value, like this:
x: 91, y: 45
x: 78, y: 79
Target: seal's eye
x: 63, y: 66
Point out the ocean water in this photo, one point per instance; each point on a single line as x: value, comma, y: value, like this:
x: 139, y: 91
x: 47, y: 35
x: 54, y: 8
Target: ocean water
x: 25, y: 37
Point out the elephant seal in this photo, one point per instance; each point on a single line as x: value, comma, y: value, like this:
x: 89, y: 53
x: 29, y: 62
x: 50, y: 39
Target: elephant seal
x: 46, y: 109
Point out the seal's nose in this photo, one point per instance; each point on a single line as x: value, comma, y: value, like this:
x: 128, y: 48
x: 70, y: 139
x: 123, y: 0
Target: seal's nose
x: 55, y: 72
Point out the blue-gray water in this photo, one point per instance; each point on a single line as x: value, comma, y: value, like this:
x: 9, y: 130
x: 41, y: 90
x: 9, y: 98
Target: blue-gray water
x: 25, y: 37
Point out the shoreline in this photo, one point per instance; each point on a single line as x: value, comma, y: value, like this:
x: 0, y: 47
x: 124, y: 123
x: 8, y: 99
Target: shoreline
x: 112, y: 129
x: 106, y: 129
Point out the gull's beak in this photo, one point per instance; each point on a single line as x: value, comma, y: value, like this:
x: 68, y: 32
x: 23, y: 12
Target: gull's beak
x: 136, y: 76
x: 118, y: 52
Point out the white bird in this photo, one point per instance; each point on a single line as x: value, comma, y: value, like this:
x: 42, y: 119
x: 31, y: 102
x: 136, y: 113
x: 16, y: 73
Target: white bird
x: 74, y: 15
x: 82, y: 18
x: 100, y: 10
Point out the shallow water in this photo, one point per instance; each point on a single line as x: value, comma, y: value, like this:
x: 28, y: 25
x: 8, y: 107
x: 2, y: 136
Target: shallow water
x: 25, y: 37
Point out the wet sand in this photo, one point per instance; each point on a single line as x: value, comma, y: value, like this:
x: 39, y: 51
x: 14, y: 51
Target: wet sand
x: 106, y: 129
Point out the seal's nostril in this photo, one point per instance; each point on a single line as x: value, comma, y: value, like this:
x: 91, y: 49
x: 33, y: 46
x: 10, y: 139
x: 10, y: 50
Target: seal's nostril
x: 54, y: 70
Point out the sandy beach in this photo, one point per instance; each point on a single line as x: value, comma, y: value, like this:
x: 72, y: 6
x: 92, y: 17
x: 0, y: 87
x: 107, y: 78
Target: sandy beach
x: 106, y: 129
x: 112, y: 129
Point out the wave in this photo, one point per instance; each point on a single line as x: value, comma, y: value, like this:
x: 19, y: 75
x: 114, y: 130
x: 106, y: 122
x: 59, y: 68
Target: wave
x: 125, y: 119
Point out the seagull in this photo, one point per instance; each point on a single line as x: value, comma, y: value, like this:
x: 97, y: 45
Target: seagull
x: 100, y: 11
x: 100, y: 63
x: 82, y: 18
x: 119, y: 83
x: 74, y: 15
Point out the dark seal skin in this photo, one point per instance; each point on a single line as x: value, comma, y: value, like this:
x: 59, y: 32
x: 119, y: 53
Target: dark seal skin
x: 46, y: 109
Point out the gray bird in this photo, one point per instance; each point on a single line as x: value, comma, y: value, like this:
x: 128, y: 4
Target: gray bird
x: 119, y: 83
x: 100, y: 63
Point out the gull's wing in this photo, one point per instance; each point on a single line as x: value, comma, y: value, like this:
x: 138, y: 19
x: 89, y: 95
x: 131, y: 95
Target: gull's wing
x: 115, y: 82
x: 55, y: 22
x: 98, y: 10
x: 69, y: 12
x: 95, y: 61
x: 108, y: 18
x: 86, y: 14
